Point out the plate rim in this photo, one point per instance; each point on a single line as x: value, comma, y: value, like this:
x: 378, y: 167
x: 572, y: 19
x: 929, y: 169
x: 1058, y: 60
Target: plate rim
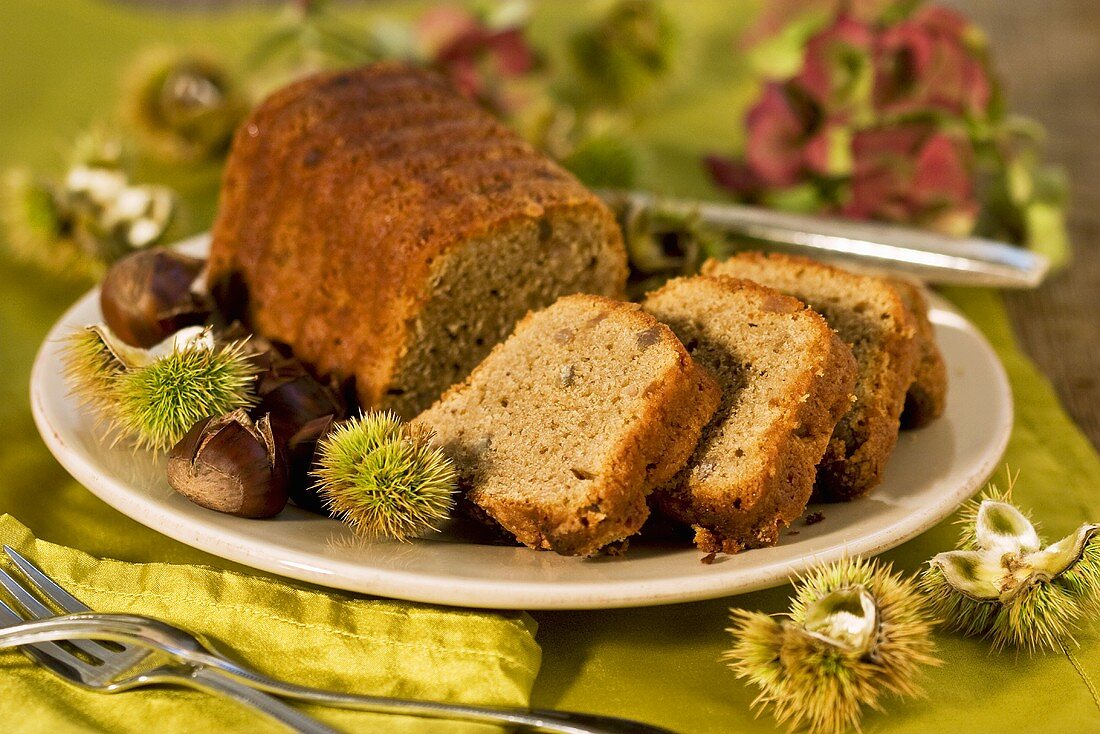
x: 344, y: 575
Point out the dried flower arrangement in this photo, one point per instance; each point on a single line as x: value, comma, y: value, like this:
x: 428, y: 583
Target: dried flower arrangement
x: 893, y: 113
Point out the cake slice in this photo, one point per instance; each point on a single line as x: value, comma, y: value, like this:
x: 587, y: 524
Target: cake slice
x: 562, y: 431
x: 870, y: 315
x: 786, y: 379
x: 927, y: 396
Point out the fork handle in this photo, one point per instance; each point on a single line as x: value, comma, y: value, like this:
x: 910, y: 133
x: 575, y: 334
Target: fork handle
x: 213, y: 681
x: 559, y: 722
x: 208, y: 670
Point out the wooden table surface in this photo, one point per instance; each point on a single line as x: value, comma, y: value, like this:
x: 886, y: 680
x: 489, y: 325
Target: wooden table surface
x: 1048, y: 55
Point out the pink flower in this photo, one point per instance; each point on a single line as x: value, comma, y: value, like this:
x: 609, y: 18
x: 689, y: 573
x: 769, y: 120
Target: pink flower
x: 477, y: 58
x: 836, y: 70
x: 931, y: 61
x: 915, y: 175
x: 732, y: 175
x: 786, y: 137
x: 777, y: 14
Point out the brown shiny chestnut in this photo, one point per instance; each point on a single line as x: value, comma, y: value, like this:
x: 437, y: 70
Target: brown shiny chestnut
x: 301, y: 452
x: 232, y: 465
x: 149, y: 295
x: 293, y: 397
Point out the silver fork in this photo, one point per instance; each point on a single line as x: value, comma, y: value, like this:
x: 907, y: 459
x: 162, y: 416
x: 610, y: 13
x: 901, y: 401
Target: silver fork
x: 184, y: 647
x: 116, y: 668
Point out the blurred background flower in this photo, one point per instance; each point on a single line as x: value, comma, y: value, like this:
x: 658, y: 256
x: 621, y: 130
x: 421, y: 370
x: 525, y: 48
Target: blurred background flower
x: 890, y: 111
x: 484, y: 55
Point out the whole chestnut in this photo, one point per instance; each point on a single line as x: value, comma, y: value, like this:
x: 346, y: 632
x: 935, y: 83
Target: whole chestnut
x: 149, y: 295
x: 292, y: 397
x: 232, y: 465
x: 301, y: 452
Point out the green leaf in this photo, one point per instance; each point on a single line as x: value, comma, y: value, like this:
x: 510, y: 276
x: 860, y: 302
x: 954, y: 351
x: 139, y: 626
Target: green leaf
x: 804, y: 198
x: 1018, y: 182
x: 1045, y: 225
x: 780, y: 56
x: 840, y: 151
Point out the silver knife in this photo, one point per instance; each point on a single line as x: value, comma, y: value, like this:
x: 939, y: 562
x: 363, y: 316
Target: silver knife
x: 929, y: 256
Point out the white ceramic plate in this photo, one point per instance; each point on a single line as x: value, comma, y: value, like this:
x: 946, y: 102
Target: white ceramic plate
x: 930, y: 473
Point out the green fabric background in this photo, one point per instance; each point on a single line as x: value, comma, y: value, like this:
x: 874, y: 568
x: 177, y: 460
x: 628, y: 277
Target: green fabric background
x: 60, y: 62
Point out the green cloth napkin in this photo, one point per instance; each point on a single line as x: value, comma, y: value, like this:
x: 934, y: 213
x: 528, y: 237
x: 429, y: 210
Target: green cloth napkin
x: 297, y: 634
x: 59, y: 65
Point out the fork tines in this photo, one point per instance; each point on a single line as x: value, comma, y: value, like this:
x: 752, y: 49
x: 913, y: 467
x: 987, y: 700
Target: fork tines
x: 101, y: 660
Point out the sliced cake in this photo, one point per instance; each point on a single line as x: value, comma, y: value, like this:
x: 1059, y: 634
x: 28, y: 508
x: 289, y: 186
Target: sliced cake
x: 786, y: 379
x: 870, y: 315
x: 562, y: 431
x: 927, y: 396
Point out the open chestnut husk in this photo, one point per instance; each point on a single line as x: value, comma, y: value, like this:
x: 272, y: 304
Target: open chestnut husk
x: 301, y: 452
x: 292, y: 397
x: 149, y: 295
x: 231, y: 464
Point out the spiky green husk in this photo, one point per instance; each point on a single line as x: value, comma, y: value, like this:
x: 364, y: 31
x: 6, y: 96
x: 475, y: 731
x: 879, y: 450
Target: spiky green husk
x: 384, y: 478
x: 1041, y: 617
x: 90, y: 369
x: 172, y: 122
x: 809, y: 682
x: 158, y: 404
x: 154, y: 402
x: 35, y: 232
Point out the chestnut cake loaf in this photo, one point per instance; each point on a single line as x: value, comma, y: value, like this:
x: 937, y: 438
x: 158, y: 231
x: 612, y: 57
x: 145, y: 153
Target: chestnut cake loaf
x: 564, y: 429
x: 786, y: 379
x: 870, y: 315
x: 389, y: 230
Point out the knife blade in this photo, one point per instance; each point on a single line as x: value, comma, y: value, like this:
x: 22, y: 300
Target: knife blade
x: 929, y: 256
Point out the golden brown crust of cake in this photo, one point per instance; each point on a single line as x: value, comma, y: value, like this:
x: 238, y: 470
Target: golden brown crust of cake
x: 666, y: 416
x: 747, y: 502
x: 927, y: 396
x: 885, y: 346
x: 341, y: 191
